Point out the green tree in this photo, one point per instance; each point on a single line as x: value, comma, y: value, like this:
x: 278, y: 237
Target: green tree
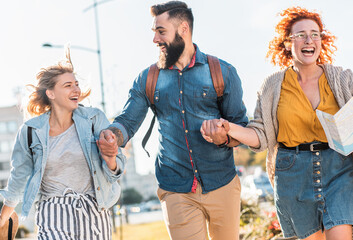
x: 131, y: 196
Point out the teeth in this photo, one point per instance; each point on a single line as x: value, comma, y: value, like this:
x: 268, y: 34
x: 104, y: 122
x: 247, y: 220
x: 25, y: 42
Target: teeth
x: 305, y: 51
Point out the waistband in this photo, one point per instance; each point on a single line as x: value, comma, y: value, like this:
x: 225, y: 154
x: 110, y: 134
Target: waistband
x: 313, y: 147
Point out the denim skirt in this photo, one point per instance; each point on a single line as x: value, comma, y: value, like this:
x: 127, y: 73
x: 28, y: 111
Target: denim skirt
x: 313, y: 191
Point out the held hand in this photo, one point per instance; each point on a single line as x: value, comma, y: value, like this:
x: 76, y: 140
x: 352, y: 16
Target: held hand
x: 213, y: 129
x: 203, y: 133
x: 107, y: 144
x: 5, y: 214
x: 223, y: 123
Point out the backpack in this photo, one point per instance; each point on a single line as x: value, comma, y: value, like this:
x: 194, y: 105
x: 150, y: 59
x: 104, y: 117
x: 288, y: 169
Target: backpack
x: 151, y: 82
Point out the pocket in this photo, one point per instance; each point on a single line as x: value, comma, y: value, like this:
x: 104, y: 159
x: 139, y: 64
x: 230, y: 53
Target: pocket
x: 205, y: 102
x: 161, y: 194
x: 37, y: 150
x: 285, y: 159
x: 162, y: 103
x: 343, y: 158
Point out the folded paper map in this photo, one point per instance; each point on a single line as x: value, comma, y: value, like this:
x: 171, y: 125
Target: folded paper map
x: 339, y: 128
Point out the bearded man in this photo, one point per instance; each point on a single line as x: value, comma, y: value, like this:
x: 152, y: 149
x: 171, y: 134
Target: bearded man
x: 199, y: 189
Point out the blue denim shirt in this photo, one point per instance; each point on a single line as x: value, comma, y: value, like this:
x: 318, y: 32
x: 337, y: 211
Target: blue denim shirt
x: 183, y: 101
x: 26, y: 173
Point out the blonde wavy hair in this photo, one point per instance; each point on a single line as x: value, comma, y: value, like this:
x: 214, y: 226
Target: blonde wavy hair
x: 39, y: 102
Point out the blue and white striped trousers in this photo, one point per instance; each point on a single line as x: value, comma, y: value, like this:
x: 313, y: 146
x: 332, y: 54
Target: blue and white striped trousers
x: 72, y: 216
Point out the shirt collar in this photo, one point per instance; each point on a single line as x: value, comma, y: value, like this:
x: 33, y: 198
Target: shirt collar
x: 196, y: 58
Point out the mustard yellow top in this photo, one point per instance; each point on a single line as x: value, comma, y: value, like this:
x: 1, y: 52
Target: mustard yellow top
x: 297, y: 120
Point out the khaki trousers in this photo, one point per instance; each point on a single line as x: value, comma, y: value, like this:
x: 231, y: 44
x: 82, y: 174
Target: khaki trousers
x: 189, y: 215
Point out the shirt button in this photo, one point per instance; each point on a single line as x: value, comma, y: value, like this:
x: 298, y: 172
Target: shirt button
x: 186, y: 131
x: 317, y: 153
x: 318, y: 172
x: 180, y: 73
x: 95, y: 172
x: 318, y: 163
x: 318, y: 181
x: 98, y: 188
x: 181, y: 92
x: 183, y: 112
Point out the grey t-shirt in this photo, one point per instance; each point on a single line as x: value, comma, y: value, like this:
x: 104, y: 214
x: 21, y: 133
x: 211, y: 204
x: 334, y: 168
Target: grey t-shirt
x: 66, y: 167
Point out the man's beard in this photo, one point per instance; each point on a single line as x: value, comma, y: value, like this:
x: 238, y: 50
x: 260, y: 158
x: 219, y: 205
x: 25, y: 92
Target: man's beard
x: 172, y: 53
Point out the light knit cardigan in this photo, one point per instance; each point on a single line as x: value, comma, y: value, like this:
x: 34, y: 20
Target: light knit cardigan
x: 265, y: 121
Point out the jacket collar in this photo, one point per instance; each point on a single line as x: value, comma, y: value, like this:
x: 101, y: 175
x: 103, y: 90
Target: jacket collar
x: 43, y: 119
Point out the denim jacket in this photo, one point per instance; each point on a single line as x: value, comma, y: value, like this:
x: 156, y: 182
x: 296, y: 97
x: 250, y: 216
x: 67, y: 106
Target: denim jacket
x: 27, y: 172
x: 183, y: 100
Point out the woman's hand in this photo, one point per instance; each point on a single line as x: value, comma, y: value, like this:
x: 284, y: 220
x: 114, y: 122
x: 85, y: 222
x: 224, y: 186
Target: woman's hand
x: 2, y: 221
x: 5, y: 214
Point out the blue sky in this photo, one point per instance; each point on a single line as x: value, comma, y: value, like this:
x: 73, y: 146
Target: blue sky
x: 236, y: 31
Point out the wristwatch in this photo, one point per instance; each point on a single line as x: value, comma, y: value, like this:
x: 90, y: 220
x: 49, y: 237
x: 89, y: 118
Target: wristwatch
x: 223, y: 145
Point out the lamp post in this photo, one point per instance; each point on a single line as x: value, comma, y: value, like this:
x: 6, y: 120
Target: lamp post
x: 97, y: 51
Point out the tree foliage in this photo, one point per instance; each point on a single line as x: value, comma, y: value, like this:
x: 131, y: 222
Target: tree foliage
x: 131, y: 196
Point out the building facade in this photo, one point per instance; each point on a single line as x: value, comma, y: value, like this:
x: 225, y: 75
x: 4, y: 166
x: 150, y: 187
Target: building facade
x: 146, y: 185
x: 10, y: 120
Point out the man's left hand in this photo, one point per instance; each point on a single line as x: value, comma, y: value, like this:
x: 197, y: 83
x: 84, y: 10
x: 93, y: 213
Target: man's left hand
x: 215, y: 130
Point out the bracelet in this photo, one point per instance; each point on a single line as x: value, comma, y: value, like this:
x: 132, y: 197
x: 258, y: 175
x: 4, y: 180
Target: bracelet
x: 223, y: 145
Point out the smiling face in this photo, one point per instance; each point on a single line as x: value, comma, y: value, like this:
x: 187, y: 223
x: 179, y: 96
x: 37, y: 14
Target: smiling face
x: 305, y: 51
x: 168, y: 39
x: 66, y: 92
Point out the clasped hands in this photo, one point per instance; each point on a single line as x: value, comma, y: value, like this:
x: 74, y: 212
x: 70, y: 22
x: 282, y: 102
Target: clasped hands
x: 215, y: 130
x: 108, y: 147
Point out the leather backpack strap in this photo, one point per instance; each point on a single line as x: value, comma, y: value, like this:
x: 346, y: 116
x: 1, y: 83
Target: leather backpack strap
x: 216, y: 74
x: 151, y: 82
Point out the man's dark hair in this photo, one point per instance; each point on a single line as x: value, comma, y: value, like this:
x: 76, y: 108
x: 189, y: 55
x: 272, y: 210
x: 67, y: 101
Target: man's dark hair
x: 176, y: 9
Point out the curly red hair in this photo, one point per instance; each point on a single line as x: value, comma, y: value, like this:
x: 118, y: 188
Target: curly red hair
x: 277, y: 51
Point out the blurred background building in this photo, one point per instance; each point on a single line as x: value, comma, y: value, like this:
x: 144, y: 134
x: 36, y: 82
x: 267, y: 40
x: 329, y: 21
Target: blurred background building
x: 10, y: 120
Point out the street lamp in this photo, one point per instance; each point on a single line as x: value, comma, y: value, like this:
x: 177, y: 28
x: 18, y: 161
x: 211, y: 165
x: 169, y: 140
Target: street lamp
x: 88, y: 50
x: 97, y: 51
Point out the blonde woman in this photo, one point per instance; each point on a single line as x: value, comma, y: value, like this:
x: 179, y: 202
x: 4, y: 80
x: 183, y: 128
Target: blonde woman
x: 77, y: 185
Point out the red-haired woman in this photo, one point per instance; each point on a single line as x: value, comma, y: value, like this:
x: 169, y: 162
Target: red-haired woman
x: 313, y: 184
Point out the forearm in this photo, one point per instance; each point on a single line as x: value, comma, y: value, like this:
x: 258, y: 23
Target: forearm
x: 244, y: 135
x: 111, y: 163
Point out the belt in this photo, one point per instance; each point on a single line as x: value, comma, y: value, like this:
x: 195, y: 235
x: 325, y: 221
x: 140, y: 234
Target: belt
x: 307, y: 147
x: 82, y: 204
